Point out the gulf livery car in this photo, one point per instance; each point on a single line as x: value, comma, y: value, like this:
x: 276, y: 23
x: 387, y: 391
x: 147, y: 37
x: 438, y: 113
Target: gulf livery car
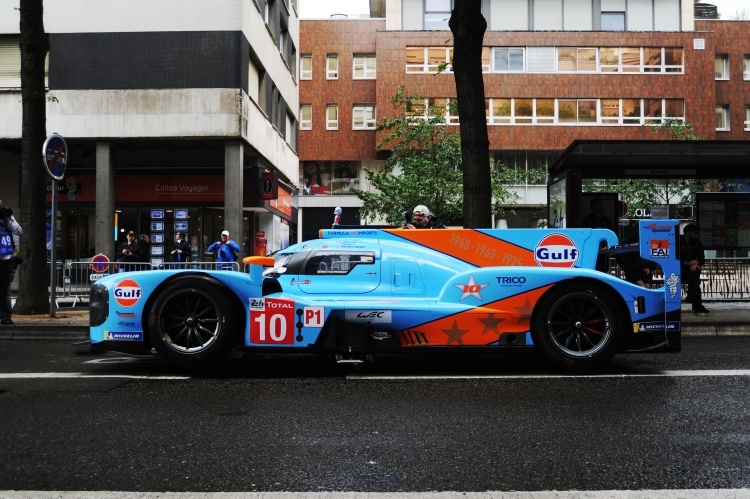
x: 358, y: 292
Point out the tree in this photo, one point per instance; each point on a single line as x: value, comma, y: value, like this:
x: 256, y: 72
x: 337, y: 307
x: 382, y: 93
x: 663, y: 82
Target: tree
x: 33, y: 296
x: 425, y: 166
x: 468, y: 27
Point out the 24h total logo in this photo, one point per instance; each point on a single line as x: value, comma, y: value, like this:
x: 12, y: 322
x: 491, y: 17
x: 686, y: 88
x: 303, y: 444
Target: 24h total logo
x: 556, y: 250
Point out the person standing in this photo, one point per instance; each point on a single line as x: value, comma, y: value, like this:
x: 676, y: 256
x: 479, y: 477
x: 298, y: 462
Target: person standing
x: 181, y: 251
x: 596, y: 219
x: 8, y: 227
x: 226, y: 251
x: 129, y: 251
x: 421, y: 218
x: 693, y: 258
x: 145, y: 245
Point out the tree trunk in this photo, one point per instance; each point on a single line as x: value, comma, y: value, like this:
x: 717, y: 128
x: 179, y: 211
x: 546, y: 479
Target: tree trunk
x: 468, y: 27
x: 33, y: 296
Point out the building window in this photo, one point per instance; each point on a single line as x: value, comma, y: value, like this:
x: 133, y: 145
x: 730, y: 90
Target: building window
x: 429, y: 59
x: 613, y: 21
x: 721, y: 67
x: 722, y: 118
x: 363, y: 117
x: 437, y: 13
x: 746, y: 67
x: 747, y: 118
x: 305, y: 117
x: 10, y: 63
x: 332, y: 117
x: 305, y: 67
x: 364, y: 67
x: 577, y: 111
x: 506, y: 59
x: 332, y: 67
x: 576, y: 60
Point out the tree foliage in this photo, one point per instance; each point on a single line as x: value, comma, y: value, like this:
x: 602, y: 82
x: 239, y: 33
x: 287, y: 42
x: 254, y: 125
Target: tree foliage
x: 425, y: 167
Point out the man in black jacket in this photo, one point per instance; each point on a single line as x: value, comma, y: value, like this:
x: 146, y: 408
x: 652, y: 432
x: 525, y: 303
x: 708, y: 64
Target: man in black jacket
x: 693, y: 258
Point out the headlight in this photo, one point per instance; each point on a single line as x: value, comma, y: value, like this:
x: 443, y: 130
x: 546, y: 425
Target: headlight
x: 98, y: 305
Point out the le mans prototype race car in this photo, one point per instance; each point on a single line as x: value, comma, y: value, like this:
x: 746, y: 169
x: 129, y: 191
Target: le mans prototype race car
x: 360, y: 292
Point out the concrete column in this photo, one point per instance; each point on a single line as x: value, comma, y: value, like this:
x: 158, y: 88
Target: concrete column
x: 105, y: 201
x: 233, y: 182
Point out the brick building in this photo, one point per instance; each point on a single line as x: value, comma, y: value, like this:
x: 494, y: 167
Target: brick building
x: 553, y: 72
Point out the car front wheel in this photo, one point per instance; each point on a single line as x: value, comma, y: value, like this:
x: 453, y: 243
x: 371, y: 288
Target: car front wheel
x: 192, y: 322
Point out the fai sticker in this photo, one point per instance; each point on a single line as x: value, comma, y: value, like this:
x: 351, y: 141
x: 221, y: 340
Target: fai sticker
x: 556, y: 250
x: 127, y: 293
x: 659, y: 248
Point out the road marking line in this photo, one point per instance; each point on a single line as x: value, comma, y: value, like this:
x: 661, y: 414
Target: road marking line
x: 661, y: 374
x: 84, y: 375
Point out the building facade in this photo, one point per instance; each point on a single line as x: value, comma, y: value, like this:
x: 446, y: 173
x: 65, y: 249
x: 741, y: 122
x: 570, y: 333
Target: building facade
x: 172, y: 111
x: 554, y: 71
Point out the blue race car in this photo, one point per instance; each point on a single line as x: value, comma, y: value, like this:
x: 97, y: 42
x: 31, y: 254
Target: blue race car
x: 358, y: 292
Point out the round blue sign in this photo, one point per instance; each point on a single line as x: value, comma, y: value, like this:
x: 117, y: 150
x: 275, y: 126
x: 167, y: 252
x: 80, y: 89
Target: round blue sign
x: 100, y: 263
x: 55, y: 156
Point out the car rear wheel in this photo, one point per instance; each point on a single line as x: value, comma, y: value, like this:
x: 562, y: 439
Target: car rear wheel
x: 576, y: 327
x: 191, y: 322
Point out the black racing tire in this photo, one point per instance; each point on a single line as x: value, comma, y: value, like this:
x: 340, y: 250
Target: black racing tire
x: 578, y: 326
x: 192, y: 321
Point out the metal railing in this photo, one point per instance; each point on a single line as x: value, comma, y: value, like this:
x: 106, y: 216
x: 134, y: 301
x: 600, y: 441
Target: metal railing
x: 74, y: 279
x: 721, y: 278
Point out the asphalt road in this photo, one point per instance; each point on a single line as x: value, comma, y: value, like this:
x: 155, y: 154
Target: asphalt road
x: 302, y: 424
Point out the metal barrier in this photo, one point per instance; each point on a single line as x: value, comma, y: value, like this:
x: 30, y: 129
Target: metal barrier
x: 721, y: 279
x: 74, y: 279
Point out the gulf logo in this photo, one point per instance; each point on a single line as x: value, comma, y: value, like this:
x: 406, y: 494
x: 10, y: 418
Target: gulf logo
x: 127, y: 293
x: 556, y: 250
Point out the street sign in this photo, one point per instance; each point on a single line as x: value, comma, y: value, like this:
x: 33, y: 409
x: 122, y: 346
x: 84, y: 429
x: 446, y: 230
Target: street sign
x: 55, y: 156
x: 100, y: 263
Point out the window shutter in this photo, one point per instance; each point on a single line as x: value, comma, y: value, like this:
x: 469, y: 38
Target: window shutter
x: 10, y: 63
x: 540, y: 59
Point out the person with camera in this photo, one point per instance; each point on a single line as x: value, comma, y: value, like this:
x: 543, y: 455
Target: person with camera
x: 8, y: 227
x: 130, y: 251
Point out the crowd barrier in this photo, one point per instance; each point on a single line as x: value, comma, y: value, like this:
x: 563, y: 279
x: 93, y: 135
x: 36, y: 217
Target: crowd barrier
x: 722, y: 279
x: 73, y: 280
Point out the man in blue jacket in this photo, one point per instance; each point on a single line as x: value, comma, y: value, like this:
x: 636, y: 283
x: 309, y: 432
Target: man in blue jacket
x: 226, y: 251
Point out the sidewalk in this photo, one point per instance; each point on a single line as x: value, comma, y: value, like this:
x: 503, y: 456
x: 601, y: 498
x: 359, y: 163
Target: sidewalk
x: 725, y: 319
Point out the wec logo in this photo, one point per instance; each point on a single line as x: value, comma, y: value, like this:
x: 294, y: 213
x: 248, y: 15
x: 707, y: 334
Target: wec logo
x: 127, y: 293
x: 556, y: 250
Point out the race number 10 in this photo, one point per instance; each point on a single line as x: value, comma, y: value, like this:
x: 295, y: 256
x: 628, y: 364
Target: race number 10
x: 271, y: 321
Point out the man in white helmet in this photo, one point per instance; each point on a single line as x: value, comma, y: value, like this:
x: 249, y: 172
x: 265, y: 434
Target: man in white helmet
x: 421, y: 218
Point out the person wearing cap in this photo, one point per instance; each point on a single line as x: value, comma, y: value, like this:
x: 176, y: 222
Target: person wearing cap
x: 226, y: 250
x: 130, y: 250
x: 181, y: 251
x: 421, y: 218
x: 693, y: 258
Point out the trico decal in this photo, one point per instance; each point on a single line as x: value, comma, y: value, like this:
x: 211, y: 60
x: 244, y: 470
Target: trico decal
x: 121, y: 336
x: 660, y: 228
x: 659, y: 248
x: 125, y: 315
x: 127, y: 293
x: 471, y: 288
x: 510, y: 281
x: 271, y: 321
x: 556, y: 250
x: 372, y: 316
